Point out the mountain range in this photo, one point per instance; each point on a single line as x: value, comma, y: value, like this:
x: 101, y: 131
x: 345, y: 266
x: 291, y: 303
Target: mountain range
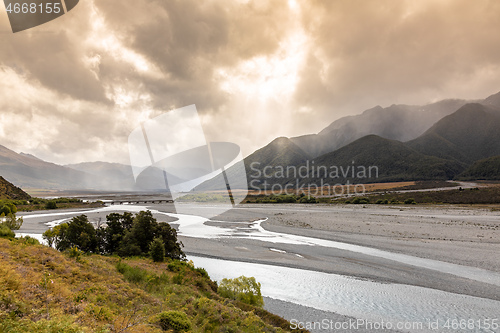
x: 439, y: 141
x: 443, y: 140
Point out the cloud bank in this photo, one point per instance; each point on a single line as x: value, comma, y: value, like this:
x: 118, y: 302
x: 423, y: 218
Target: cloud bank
x: 73, y: 89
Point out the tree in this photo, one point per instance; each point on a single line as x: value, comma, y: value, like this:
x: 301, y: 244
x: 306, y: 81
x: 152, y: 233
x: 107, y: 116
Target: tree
x: 157, y: 250
x: 244, y: 289
x: 78, y: 232
x: 110, y: 237
x: 143, y: 230
x: 57, y: 237
x: 173, y: 248
x: 12, y: 222
x: 82, y: 234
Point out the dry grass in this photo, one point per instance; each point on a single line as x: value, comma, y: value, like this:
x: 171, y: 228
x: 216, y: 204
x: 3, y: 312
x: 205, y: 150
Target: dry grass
x: 44, y: 290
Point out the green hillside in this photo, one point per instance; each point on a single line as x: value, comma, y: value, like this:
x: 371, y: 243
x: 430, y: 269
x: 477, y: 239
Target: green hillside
x: 11, y: 192
x: 487, y: 169
x: 470, y: 134
x: 393, y: 160
x: 44, y: 290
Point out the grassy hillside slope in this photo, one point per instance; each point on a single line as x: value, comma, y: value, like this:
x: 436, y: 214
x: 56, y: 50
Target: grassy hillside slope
x: 43, y: 290
x: 11, y: 192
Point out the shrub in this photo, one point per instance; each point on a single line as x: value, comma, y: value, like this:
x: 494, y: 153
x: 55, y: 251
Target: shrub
x: 50, y: 205
x: 132, y: 274
x: 382, y: 202
x: 29, y: 240
x: 361, y: 201
x: 410, y: 201
x: 244, y: 289
x: 157, y: 250
x: 174, y: 266
x: 202, y: 272
x: 176, y: 320
x: 12, y: 222
x: 74, y: 253
x: 5, y: 232
x: 308, y: 199
x: 178, y: 278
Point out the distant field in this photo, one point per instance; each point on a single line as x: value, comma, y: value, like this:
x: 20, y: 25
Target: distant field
x: 358, y: 188
x: 480, y: 195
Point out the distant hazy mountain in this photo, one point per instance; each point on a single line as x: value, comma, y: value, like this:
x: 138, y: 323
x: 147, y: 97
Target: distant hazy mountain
x: 492, y: 101
x: 119, y: 177
x: 31, y: 172
x: 396, y: 122
x: 487, y: 169
x: 109, y: 176
x: 469, y: 134
x: 10, y: 191
x: 29, y: 155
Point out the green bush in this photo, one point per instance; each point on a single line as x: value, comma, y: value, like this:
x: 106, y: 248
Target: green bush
x: 410, y: 201
x: 29, y: 240
x: 74, y: 253
x: 361, y: 201
x: 244, y: 289
x: 202, y: 272
x: 50, y: 205
x: 176, y: 320
x: 12, y: 222
x: 308, y: 199
x: 5, y: 232
x: 178, y: 278
x: 132, y: 274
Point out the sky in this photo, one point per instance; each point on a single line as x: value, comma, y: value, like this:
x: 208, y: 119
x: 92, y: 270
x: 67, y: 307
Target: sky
x: 73, y: 89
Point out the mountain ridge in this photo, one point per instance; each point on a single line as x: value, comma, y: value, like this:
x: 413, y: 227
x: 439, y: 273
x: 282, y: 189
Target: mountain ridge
x: 443, y: 151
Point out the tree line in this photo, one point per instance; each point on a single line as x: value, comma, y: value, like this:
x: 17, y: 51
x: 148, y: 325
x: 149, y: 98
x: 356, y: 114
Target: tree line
x: 124, y: 234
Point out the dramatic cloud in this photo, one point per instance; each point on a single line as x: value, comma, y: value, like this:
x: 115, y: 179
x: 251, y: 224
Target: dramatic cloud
x: 383, y: 52
x: 73, y: 89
